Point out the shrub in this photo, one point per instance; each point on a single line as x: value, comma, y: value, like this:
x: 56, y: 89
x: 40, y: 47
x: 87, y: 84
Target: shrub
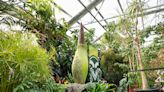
x: 100, y: 87
x: 23, y: 63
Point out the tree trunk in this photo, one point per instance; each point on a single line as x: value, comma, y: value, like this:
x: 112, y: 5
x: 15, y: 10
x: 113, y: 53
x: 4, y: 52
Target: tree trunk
x: 130, y: 63
x: 139, y: 55
x: 133, y: 64
x: 143, y: 75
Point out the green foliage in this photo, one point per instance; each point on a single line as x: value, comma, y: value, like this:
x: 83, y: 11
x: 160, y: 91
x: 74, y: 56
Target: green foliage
x: 111, y: 38
x: 43, y: 8
x: 113, y: 58
x: 38, y: 16
x: 155, y: 30
x: 64, y: 57
x: 153, y: 57
x: 133, y: 79
x: 24, y: 64
x: 70, y: 78
x: 55, y: 35
x: 129, y: 80
x: 100, y: 87
x: 43, y: 21
x: 150, y: 53
x: 59, y: 88
x: 34, y: 86
x: 123, y: 85
x: 112, y: 65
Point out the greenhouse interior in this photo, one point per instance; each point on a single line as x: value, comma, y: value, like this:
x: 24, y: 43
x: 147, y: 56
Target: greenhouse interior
x: 81, y: 45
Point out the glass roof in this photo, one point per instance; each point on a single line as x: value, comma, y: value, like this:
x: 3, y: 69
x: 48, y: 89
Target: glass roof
x: 108, y: 8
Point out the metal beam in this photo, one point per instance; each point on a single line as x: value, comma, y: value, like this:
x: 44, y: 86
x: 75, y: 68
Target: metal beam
x: 98, y: 11
x: 61, y: 9
x: 84, y: 12
x: 120, y: 6
x: 146, y: 12
x: 101, y: 15
x: 93, y: 15
x: 139, y: 15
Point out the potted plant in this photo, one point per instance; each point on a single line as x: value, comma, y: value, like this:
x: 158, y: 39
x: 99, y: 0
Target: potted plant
x: 128, y: 83
x: 158, y: 82
x: 132, y: 80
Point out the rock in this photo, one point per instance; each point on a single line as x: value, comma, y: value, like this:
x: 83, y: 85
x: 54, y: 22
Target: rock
x: 75, y: 87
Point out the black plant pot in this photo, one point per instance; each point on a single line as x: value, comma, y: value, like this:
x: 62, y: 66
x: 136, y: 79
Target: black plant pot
x: 147, y: 90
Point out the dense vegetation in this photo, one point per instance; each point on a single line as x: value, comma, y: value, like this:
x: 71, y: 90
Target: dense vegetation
x: 24, y: 64
x: 40, y: 56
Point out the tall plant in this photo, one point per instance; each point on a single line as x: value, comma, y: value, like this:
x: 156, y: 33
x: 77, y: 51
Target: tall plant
x: 113, y: 61
x: 38, y: 16
x: 24, y: 64
x: 134, y: 34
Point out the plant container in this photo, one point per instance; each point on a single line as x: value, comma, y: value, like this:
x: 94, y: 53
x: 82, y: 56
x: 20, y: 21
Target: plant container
x: 131, y: 89
x: 147, y: 90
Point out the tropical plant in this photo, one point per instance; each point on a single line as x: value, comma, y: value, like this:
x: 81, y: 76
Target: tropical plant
x: 113, y: 61
x: 113, y: 65
x: 24, y: 64
x: 100, y: 87
x: 38, y: 16
x: 152, y: 53
x: 130, y: 80
x: 133, y: 33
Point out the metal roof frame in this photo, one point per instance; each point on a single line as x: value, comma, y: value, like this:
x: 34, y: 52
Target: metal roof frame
x: 84, y: 12
x: 92, y: 15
